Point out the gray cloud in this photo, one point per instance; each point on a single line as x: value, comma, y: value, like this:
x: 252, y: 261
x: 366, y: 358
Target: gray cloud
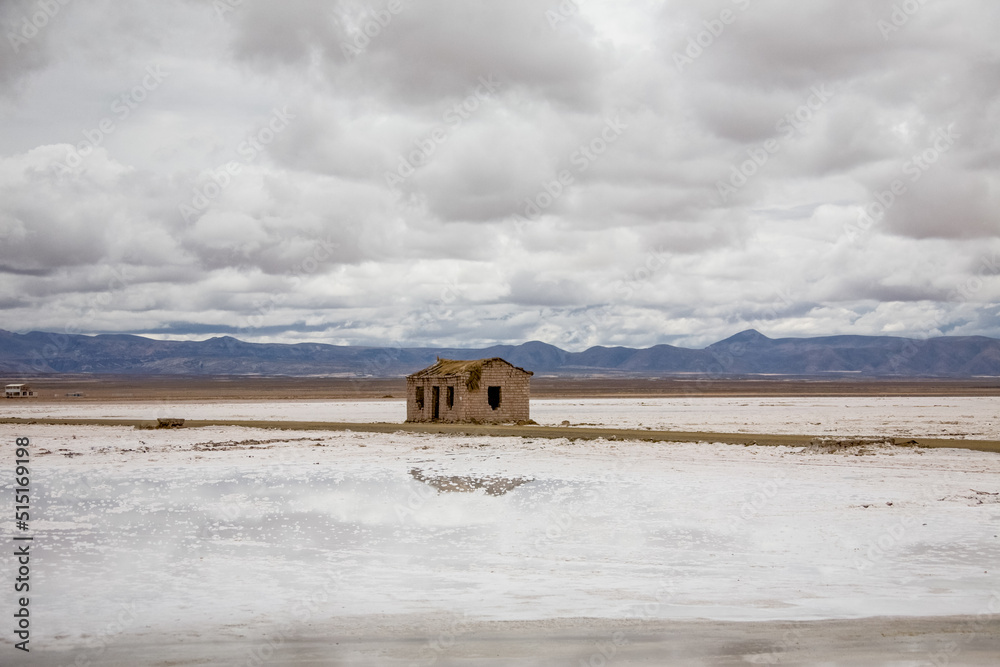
x: 631, y: 173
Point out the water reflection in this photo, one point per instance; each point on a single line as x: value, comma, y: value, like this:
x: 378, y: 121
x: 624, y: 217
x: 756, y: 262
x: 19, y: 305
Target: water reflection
x: 492, y: 485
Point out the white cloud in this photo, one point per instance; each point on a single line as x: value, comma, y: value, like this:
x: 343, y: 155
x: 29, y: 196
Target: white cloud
x: 631, y: 243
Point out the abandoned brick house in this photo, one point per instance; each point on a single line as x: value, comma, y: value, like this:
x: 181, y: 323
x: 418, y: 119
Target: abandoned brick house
x: 481, y: 390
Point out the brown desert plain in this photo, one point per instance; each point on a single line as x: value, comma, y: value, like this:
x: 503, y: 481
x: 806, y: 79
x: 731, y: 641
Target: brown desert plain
x: 229, y: 388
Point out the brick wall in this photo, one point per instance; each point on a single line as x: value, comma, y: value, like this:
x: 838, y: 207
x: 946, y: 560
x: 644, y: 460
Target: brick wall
x: 473, y: 405
x: 414, y: 414
x: 514, y: 395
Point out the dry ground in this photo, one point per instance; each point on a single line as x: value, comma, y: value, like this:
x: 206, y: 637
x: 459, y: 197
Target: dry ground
x: 128, y: 389
x: 229, y: 388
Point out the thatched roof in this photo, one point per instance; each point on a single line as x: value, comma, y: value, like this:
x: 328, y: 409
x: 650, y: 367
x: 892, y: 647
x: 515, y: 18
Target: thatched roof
x: 470, y: 369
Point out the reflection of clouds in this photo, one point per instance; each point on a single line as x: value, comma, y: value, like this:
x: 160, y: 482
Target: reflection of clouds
x: 493, y: 485
x: 638, y: 531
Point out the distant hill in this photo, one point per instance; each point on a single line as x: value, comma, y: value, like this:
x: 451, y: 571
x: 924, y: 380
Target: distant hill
x: 746, y: 353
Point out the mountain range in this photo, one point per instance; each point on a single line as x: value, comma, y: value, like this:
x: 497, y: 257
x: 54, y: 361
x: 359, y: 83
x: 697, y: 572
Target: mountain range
x: 746, y: 353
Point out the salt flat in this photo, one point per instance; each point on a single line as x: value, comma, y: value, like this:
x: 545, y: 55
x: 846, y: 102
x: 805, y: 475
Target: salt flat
x: 975, y: 417
x: 234, y: 538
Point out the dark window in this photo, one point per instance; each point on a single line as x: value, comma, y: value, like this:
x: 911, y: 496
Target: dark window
x: 493, y: 396
x: 451, y: 397
x: 420, y: 398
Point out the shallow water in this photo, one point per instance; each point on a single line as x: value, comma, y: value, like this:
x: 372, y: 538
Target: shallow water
x: 238, y: 539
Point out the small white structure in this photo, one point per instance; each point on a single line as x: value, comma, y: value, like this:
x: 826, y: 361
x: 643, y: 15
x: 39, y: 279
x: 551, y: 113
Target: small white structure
x: 17, y: 391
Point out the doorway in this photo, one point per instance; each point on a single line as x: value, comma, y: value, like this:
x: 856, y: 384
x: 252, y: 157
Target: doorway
x: 493, y: 396
x: 435, y: 402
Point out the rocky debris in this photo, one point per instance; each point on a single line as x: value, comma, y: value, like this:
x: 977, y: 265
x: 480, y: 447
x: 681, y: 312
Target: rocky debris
x: 976, y: 498
x: 856, y: 446
x: 213, y: 446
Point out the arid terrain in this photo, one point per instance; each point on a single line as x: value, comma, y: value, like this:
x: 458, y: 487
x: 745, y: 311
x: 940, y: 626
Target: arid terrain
x: 198, y: 388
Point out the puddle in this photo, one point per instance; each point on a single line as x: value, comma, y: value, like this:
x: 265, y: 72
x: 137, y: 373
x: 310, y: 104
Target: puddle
x: 492, y: 485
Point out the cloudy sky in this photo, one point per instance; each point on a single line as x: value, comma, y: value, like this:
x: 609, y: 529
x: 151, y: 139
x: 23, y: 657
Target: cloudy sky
x: 464, y: 172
